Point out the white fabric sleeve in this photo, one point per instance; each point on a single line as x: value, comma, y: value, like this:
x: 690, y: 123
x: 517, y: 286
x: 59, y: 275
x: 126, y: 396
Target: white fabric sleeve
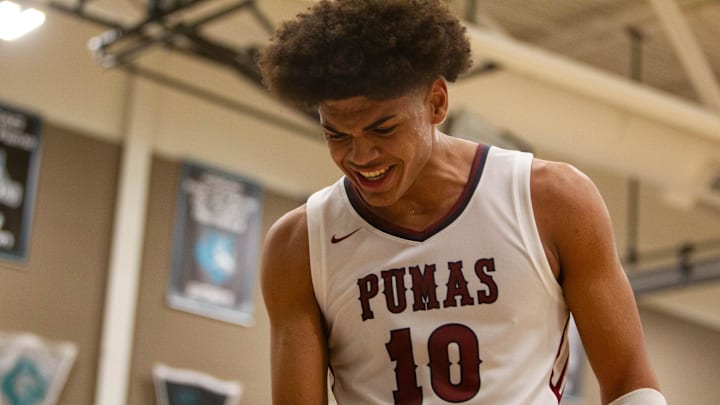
x: 642, y: 396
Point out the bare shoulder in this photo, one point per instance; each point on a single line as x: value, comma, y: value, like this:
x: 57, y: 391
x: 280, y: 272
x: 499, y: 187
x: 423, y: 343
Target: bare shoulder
x: 569, y: 212
x: 289, y: 230
x: 560, y: 192
x: 286, y: 260
x: 560, y: 182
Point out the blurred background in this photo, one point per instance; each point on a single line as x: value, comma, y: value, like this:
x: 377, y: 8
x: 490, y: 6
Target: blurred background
x: 120, y: 100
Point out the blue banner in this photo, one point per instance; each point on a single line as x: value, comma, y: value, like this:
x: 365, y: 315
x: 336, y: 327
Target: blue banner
x: 216, y: 243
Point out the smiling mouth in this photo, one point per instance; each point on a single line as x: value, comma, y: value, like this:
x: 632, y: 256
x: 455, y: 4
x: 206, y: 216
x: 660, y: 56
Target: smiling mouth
x: 374, y: 175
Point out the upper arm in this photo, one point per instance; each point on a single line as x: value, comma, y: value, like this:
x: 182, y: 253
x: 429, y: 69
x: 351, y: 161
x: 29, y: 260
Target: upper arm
x: 298, y: 342
x: 577, y: 232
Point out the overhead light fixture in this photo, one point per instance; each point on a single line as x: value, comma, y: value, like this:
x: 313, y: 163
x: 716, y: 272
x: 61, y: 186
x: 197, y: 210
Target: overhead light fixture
x: 15, y: 22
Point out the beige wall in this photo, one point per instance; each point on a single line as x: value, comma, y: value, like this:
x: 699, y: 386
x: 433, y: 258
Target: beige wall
x: 685, y: 357
x: 180, y: 339
x: 59, y: 292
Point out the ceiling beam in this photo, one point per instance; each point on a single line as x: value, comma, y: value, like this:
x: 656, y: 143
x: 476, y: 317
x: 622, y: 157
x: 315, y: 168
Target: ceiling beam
x: 616, y: 91
x: 688, y: 50
x: 474, y: 16
x: 615, y: 123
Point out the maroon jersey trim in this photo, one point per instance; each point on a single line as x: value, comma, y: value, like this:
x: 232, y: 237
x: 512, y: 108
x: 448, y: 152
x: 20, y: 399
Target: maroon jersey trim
x: 419, y: 236
x: 557, y: 388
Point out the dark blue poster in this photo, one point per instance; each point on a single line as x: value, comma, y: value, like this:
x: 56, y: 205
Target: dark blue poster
x: 216, y: 242
x: 19, y: 165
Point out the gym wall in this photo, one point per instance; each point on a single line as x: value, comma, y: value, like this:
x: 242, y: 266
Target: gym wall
x: 58, y: 293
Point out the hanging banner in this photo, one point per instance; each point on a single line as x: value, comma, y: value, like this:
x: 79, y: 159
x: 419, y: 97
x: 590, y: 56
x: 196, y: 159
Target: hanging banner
x: 216, y: 242
x: 19, y: 166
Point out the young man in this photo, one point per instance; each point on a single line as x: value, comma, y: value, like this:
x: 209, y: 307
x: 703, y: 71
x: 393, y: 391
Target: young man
x: 436, y: 270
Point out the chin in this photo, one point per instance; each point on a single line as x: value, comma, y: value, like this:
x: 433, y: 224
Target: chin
x: 378, y: 200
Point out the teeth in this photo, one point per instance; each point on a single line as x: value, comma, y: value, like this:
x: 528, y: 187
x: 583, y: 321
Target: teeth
x: 374, y: 175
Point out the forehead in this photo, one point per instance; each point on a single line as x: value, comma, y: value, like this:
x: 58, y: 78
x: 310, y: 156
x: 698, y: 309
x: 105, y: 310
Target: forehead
x: 356, y: 110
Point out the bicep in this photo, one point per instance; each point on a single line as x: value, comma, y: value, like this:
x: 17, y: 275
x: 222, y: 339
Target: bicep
x: 298, y: 343
x: 602, y: 303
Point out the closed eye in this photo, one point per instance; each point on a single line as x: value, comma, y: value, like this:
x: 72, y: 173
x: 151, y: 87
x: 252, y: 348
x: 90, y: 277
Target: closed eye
x: 334, y: 136
x: 384, y: 131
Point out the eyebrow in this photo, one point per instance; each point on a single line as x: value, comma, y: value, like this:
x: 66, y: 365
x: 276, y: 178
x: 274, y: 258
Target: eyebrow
x: 375, y: 124
x: 379, y: 122
x: 331, y: 129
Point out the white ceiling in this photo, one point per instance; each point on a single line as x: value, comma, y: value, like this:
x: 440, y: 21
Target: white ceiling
x: 595, y: 32
x: 592, y: 32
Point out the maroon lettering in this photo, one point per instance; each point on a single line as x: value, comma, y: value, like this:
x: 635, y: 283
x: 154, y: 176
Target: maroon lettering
x: 368, y: 287
x: 394, y: 289
x: 457, y: 286
x: 469, y: 364
x: 400, y: 350
x: 482, y: 269
x: 423, y: 286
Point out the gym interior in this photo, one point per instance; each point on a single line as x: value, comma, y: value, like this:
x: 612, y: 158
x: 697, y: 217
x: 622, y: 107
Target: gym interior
x: 134, y: 104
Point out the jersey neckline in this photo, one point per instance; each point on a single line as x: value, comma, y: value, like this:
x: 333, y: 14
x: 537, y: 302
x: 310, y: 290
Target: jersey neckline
x: 362, y: 209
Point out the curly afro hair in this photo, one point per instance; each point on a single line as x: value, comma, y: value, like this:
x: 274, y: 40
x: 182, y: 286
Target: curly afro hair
x: 374, y: 48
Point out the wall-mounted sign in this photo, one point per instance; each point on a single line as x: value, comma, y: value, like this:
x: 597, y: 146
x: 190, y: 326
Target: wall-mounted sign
x: 176, y: 386
x: 33, y: 370
x: 216, y: 242
x: 19, y: 166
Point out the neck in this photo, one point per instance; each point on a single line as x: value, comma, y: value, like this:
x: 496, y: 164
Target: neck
x: 437, y: 189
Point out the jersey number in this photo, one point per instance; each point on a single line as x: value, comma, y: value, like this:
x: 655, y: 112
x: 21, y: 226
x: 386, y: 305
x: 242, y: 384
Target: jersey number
x: 400, y: 349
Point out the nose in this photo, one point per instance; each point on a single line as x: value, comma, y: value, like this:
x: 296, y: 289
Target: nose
x: 363, y: 152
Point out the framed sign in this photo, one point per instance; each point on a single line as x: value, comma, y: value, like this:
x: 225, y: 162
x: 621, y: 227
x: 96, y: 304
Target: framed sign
x: 216, y: 242
x: 175, y: 386
x: 33, y: 370
x: 19, y: 166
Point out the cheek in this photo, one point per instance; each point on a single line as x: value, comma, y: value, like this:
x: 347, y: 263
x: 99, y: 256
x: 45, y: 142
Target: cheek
x: 337, y: 153
x: 420, y: 150
x: 423, y: 139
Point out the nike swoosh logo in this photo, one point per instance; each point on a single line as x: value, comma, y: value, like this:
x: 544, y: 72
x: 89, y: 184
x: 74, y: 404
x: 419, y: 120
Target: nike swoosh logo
x: 340, y: 239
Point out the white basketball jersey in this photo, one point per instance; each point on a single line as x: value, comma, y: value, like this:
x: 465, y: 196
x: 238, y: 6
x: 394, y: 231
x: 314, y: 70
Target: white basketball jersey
x: 467, y: 311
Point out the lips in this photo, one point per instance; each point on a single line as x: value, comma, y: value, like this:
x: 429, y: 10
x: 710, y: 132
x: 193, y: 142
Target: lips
x: 373, y: 179
x: 374, y: 175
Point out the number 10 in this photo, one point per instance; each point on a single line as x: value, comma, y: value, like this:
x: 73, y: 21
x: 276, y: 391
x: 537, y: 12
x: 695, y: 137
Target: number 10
x: 400, y: 350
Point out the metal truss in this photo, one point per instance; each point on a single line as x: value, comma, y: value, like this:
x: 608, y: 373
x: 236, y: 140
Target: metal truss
x: 164, y: 26
x: 687, y: 267
x: 121, y: 44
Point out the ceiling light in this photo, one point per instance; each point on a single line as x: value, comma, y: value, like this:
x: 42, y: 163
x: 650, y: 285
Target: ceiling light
x: 15, y: 22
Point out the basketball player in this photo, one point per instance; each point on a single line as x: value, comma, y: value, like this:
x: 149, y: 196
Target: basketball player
x: 436, y: 270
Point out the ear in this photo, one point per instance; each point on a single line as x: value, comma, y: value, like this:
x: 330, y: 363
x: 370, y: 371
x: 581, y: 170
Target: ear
x: 438, y: 101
